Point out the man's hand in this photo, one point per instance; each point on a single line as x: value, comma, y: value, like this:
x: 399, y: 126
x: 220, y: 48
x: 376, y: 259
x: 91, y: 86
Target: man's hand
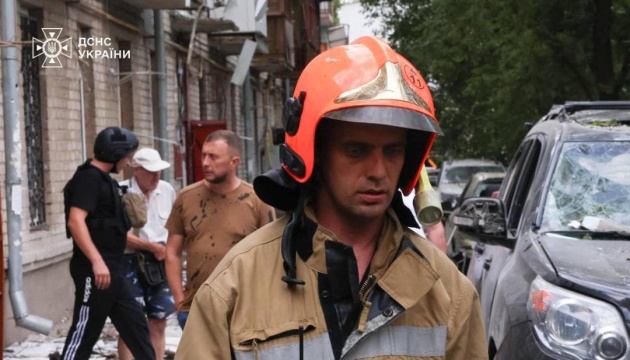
x: 435, y: 234
x: 174, y: 249
x: 102, y: 278
x: 178, y: 301
x: 158, y: 250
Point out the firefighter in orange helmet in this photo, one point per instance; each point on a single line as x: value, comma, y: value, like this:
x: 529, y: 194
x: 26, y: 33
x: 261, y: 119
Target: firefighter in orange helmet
x: 342, y: 276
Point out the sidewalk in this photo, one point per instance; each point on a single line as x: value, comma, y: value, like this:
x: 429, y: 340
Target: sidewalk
x: 40, y: 347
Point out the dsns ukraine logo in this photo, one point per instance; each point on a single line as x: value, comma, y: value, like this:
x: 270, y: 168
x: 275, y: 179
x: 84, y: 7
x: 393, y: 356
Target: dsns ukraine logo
x: 52, y: 47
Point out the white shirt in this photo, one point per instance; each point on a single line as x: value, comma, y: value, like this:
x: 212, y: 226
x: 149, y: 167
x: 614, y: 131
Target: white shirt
x: 159, y: 205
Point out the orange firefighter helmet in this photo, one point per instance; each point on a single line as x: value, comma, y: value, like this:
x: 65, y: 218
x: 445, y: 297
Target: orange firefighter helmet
x: 364, y: 82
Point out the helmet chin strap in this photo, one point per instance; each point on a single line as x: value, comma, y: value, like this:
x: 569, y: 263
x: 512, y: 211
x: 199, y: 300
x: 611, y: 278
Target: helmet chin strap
x: 289, y: 239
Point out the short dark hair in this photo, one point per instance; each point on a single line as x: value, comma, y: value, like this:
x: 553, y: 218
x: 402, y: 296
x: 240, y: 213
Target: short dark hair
x: 231, y: 138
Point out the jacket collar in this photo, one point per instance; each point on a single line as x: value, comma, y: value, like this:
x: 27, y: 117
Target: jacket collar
x: 395, y: 263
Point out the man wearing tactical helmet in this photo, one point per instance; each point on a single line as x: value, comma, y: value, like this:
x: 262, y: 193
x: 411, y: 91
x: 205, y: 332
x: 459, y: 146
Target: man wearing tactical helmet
x: 342, y: 276
x: 98, y: 225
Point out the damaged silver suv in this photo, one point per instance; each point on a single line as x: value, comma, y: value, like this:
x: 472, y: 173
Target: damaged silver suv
x: 552, y: 260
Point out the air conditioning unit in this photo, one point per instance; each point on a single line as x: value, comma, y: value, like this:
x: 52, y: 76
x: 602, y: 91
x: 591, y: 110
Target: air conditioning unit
x: 248, y: 15
x: 338, y: 35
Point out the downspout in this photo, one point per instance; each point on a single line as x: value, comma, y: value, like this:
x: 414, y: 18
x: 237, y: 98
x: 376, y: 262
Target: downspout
x: 250, y: 157
x: 13, y: 180
x: 160, y: 59
x: 81, y: 96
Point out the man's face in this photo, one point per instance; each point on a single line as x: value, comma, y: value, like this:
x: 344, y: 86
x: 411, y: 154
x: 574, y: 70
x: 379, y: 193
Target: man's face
x: 360, y: 165
x: 217, y: 161
x: 122, y: 163
x: 147, y: 180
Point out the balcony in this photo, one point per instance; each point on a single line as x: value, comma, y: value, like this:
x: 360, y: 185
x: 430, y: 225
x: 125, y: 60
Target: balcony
x: 165, y: 4
x: 250, y: 20
x: 180, y: 22
x: 281, y: 55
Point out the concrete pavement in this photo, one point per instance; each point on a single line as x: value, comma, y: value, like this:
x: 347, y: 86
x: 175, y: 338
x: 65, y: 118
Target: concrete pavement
x: 42, y: 347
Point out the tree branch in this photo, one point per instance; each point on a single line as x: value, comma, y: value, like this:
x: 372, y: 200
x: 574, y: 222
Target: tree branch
x: 622, y: 77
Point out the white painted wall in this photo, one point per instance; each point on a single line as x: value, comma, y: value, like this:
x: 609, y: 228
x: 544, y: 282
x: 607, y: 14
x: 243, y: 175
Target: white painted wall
x: 351, y: 13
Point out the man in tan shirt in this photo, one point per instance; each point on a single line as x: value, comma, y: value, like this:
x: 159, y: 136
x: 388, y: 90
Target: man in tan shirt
x: 209, y: 217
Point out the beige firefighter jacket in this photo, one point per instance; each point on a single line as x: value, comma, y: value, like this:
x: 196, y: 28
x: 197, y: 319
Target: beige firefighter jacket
x: 244, y: 310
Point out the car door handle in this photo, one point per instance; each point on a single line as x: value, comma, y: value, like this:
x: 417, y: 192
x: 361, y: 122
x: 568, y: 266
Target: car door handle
x: 486, y: 264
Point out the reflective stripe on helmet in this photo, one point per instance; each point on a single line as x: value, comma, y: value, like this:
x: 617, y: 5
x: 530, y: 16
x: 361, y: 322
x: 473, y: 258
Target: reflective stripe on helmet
x: 387, y: 85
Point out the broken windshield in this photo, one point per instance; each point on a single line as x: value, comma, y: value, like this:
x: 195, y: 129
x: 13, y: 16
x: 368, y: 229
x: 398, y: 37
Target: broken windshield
x: 591, y: 179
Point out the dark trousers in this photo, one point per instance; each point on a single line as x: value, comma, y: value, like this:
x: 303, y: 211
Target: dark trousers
x: 93, y: 306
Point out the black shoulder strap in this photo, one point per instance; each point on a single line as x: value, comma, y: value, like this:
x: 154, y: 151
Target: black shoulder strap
x: 119, y: 209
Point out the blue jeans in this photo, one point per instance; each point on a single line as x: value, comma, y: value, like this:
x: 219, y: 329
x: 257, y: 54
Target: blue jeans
x: 182, y: 317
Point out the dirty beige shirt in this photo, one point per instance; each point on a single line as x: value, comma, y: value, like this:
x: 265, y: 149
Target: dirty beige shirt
x: 211, y: 224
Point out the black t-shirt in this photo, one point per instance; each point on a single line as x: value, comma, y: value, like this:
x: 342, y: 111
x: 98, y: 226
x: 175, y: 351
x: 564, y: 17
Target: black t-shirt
x: 94, y: 191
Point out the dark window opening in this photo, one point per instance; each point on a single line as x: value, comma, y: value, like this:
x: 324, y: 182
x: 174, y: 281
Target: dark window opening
x: 29, y: 26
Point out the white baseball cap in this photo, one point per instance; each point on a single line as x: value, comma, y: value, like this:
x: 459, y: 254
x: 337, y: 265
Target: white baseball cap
x: 149, y: 159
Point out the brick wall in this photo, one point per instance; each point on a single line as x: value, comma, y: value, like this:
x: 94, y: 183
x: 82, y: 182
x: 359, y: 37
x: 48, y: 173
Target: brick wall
x: 47, y: 247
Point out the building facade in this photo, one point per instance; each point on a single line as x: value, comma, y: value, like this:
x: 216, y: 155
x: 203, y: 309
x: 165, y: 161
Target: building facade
x: 170, y: 70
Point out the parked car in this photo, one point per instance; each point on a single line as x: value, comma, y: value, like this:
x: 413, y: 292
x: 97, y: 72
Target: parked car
x: 459, y: 246
x: 433, y: 171
x: 434, y: 175
x: 455, y: 174
x: 552, y: 261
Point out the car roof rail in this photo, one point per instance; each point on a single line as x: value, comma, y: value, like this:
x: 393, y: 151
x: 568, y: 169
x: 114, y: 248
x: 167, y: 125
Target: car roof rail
x: 571, y: 107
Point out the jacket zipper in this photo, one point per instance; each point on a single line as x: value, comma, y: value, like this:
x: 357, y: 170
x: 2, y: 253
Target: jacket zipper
x: 367, y: 285
x: 366, y: 288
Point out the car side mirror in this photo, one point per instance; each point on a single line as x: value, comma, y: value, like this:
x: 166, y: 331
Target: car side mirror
x: 448, y: 205
x: 483, y: 219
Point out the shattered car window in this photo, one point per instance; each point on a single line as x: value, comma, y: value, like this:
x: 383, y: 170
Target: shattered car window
x: 590, y: 179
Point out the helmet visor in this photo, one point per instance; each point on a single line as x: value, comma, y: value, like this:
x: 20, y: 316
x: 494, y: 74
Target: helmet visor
x: 387, y: 115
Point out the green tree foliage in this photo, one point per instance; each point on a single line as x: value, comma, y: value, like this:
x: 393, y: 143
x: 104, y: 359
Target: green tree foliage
x: 336, y: 4
x: 496, y: 65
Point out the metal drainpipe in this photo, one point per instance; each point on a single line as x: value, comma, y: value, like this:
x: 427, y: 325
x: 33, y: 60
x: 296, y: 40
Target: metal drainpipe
x: 81, y: 96
x: 13, y: 180
x: 250, y: 157
x: 160, y: 59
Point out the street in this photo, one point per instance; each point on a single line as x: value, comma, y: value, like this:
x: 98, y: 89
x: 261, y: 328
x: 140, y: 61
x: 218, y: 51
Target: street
x: 41, y: 347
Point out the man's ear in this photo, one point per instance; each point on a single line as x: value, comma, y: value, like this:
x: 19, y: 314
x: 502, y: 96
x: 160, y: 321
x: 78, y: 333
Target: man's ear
x: 236, y: 160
